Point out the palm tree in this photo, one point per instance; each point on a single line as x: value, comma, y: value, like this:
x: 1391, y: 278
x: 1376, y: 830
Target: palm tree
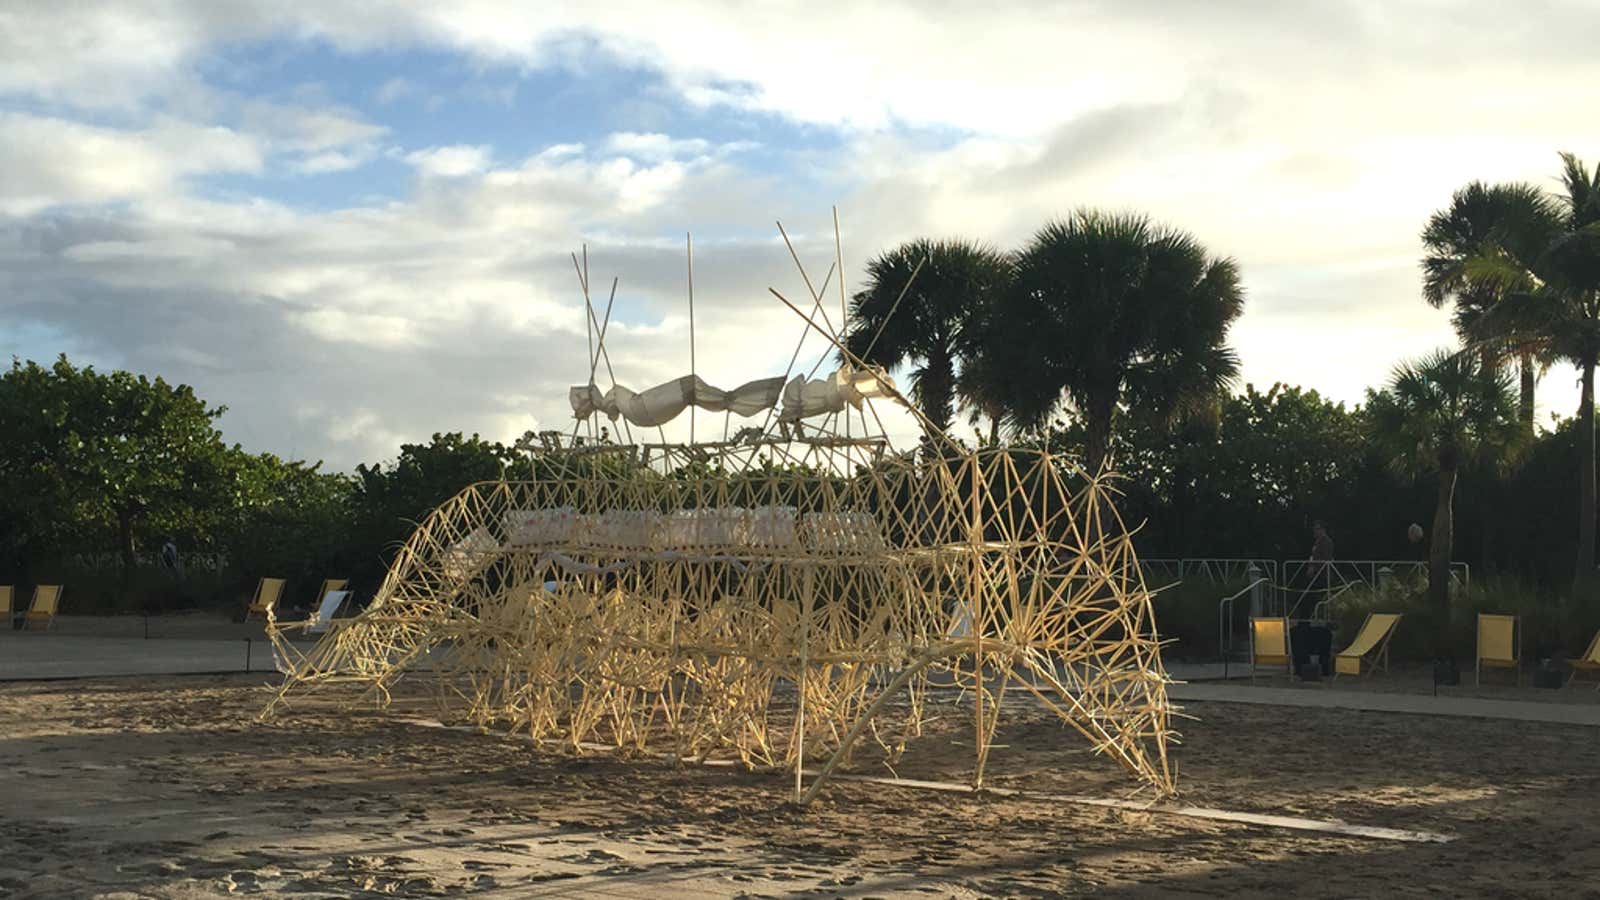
x: 935, y: 320
x: 1514, y: 222
x: 1557, y: 313
x: 1110, y: 309
x: 1438, y: 415
x: 985, y: 385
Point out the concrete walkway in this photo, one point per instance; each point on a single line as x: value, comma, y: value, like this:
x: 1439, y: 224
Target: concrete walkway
x: 38, y: 655
x: 1372, y: 701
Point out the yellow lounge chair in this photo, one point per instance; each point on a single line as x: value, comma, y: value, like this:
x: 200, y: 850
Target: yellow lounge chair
x: 1372, y: 640
x: 46, y: 598
x: 1588, y: 662
x: 6, y: 613
x: 1269, y: 645
x: 267, y: 593
x: 1497, y: 645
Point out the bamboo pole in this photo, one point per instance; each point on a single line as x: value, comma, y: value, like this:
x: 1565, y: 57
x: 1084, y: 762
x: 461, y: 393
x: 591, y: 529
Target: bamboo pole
x: 688, y: 243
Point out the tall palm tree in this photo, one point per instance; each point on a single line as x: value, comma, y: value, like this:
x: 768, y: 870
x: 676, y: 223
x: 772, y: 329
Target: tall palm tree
x: 1514, y: 222
x: 1438, y: 415
x: 985, y: 385
x: 935, y: 321
x: 1108, y: 309
x: 1557, y: 312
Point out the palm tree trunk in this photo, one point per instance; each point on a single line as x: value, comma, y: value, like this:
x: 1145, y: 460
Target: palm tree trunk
x: 1439, y: 549
x: 994, y: 429
x: 1586, y: 498
x: 1097, y: 440
x: 937, y: 387
x: 1525, y: 404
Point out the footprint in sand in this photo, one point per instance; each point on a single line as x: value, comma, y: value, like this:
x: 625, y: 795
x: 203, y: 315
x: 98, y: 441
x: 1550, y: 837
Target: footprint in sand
x: 479, y: 865
x: 592, y: 858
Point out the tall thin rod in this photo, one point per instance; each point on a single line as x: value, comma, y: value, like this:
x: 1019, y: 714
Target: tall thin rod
x: 844, y: 309
x: 796, y: 356
x: 588, y: 329
x: 688, y: 241
x: 602, y: 353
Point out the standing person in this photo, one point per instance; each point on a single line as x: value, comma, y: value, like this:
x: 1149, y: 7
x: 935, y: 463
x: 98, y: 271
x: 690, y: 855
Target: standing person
x: 1319, y: 569
x: 1321, y: 550
x: 1317, y: 639
x: 169, y: 557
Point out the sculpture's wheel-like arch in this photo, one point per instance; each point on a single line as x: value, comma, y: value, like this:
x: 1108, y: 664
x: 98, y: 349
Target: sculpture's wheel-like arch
x: 615, y: 605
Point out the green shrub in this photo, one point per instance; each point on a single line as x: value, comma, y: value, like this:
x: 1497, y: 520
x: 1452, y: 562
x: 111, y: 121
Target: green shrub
x: 1553, y: 626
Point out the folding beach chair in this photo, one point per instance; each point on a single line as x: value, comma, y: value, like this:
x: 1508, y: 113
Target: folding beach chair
x: 46, y: 598
x: 1372, y: 640
x: 268, y: 590
x: 1588, y: 662
x: 331, y: 602
x: 7, y: 614
x: 1269, y: 645
x: 1497, y: 645
x: 331, y: 584
x: 286, y: 656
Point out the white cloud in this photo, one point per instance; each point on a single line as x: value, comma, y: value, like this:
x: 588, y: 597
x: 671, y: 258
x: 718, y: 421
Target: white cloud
x: 394, y: 89
x: 1309, y: 143
x: 450, y: 162
x: 329, y: 161
x: 308, y: 129
x: 654, y: 147
x: 52, y: 161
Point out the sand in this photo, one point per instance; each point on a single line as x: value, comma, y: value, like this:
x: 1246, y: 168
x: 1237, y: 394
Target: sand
x: 166, y: 787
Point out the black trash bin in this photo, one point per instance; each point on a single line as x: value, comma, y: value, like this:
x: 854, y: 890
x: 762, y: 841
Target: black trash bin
x: 1311, y: 639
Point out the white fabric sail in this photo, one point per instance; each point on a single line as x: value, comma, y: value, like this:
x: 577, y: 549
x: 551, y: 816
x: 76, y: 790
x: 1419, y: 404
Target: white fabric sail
x: 801, y: 398
x: 664, y: 402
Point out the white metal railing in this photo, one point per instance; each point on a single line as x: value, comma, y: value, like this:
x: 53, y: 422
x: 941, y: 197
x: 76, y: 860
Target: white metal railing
x: 1225, y: 622
x: 1160, y: 572
x: 1321, y: 581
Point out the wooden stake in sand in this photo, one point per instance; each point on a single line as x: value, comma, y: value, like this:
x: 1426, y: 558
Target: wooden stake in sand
x: 687, y: 598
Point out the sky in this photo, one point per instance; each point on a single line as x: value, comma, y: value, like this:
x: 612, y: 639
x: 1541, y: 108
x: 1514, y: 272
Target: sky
x: 352, y: 221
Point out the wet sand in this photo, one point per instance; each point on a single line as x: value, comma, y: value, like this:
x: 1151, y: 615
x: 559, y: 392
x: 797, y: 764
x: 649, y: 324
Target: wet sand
x: 167, y: 787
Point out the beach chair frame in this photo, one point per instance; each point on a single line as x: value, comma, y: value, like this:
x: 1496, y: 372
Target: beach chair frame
x: 1288, y: 645
x: 1514, y: 664
x: 42, y: 610
x: 1588, y: 662
x: 265, y: 607
x: 287, y: 657
x: 329, y: 584
x: 1378, y: 655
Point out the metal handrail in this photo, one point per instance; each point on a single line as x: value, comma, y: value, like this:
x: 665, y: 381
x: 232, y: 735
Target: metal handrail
x: 1225, y: 619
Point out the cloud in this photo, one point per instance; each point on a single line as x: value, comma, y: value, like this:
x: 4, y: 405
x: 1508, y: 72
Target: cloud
x: 51, y: 161
x: 395, y: 89
x: 329, y: 161
x: 1309, y: 144
x: 450, y: 162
